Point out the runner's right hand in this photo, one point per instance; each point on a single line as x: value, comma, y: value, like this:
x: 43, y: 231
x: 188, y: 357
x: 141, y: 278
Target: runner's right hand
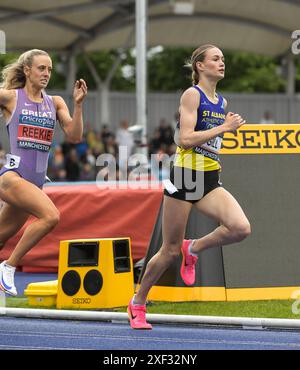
x: 233, y: 121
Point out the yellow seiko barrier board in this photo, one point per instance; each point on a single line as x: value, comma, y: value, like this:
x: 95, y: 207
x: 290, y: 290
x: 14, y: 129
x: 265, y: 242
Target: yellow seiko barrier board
x: 263, y: 139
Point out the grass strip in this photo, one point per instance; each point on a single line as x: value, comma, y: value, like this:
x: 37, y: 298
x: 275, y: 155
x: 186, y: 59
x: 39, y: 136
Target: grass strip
x: 265, y: 309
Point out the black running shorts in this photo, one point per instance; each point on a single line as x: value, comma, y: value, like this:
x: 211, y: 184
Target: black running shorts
x: 191, y: 185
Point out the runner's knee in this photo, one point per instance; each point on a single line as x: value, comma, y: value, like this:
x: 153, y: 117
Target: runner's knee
x: 241, y: 231
x: 52, y: 218
x: 171, y: 251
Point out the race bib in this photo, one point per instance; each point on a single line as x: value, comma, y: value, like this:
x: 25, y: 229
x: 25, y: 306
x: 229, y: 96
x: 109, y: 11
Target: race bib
x: 12, y: 161
x: 213, y: 145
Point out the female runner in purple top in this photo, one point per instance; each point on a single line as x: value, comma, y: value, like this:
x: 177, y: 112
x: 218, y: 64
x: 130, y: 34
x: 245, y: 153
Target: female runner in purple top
x: 30, y: 116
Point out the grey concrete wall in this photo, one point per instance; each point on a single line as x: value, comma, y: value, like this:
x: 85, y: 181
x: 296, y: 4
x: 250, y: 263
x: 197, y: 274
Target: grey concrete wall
x: 267, y: 188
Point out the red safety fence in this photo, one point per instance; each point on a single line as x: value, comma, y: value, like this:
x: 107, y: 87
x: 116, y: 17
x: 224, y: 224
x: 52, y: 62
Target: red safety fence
x: 89, y: 211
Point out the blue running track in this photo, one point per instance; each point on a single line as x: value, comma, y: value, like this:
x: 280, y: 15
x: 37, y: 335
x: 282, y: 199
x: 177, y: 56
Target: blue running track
x: 47, y: 334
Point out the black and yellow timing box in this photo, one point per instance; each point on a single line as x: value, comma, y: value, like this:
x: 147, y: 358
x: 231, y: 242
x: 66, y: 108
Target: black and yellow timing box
x: 95, y: 273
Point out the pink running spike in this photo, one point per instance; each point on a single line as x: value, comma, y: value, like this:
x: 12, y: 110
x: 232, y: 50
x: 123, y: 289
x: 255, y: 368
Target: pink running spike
x: 187, y: 270
x: 137, y: 316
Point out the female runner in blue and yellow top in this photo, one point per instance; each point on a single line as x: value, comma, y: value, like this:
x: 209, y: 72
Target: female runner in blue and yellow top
x: 196, y: 170
x: 194, y: 180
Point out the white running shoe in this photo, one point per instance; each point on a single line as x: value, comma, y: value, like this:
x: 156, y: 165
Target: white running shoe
x: 7, y: 279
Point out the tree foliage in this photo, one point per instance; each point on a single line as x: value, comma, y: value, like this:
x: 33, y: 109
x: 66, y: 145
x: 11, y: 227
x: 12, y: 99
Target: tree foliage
x: 167, y: 71
x: 245, y: 72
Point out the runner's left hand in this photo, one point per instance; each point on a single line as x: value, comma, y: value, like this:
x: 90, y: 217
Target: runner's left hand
x: 80, y: 91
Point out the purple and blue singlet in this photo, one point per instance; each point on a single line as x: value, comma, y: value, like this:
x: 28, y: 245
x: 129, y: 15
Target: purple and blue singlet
x: 30, y: 130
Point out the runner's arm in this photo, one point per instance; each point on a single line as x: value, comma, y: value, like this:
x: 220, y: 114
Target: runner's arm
x: 188, y: 137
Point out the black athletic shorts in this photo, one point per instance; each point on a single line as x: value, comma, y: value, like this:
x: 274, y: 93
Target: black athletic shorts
x: 191, y: 185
